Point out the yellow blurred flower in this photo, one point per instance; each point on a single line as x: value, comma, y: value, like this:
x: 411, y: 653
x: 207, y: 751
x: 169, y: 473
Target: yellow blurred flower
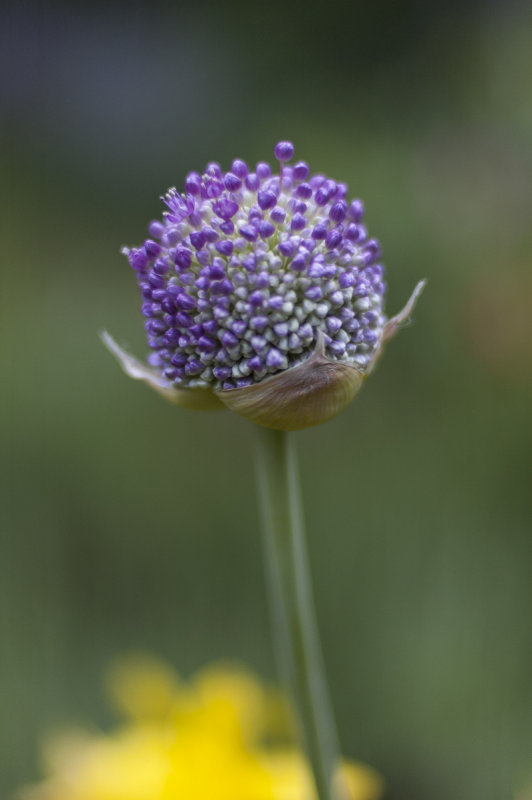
x: 209, y: 739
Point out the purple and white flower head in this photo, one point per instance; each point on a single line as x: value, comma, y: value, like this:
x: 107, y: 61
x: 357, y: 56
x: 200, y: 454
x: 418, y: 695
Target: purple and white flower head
x: 262, y: 292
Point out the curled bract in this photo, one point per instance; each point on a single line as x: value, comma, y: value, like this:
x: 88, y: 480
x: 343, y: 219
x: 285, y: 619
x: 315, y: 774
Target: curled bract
x: 309, y: 393
x: 197, y: 399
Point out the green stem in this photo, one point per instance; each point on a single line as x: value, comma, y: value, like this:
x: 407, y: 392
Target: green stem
x: 294, y: 619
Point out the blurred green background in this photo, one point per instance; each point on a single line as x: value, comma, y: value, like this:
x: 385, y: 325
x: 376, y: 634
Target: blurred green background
x: 127, y: 524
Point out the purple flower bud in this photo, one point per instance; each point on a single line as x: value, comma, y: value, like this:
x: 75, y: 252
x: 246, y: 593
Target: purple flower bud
x: 333, y: 239
x: 298, y: 222
x: 256, y: 299
x: 320, y: 231
x: 300, y: 207
x: 353, y: 233
x: 287, y: 248
x: 217, y: 271
x: 171, y: 337
x: 232, y: 182
x: 277, y: 214
x: 287, y: 180
x: 239, y: 327
x: 152, y: 248
x: 258, y: 323
x: 256, y: 363
x: 185, y: 302
x: 196, y: 330
x: 193, y: 367
x: 223, y: 287
x: 227, y: 227
x: 249, y: 232
x: 137, y: 258
x: 255, y: 214
x: 155, y: 281
x: 214, y: 170
x: 316, y: 181
x: 250, y: 263
x: 156, y: 229
x: 266, y: 229
x: 356, y: 210
x: 147, y: 309
x: 209, y: 233
x: 266, y: 199
x: 346, y: 279
x: 252, y: 182
x: 284, y: 151
x: 338, y: 348
x: 372, y: 246
x: 222, y: 373
x: 338, y: 211
x: 224, y: 246
x: 202, y: 257
x: 211, y: 188
x: 193, y: 183
x: 274, y: 358
x: 321, y: 196
x: 263, y: 170
x: 197, y: 239
x: 304, y: 190
x: 229, y: 340
x: 160, y: 267
x: 178, y: 359
x: 298, y: 263
x: 183, y: 319
x: 239, y: 168
x: 301, y: 171
x: 225, y: 208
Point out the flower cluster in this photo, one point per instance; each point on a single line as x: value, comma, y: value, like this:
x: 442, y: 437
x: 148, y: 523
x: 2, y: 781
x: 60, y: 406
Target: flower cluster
x: 197, y: 741
x: 262, y: 293
x: 248, y: 266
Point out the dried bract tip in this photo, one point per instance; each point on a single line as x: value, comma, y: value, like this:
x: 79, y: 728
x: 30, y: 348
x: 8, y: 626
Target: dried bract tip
x: 393, y: 324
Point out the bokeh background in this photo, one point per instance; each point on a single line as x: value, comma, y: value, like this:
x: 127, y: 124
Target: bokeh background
x: 130, y: 525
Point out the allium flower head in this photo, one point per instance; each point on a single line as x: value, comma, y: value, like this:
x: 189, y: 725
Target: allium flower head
x: 261, y: 291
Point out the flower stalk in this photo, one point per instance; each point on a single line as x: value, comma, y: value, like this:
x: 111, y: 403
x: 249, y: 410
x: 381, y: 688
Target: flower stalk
x: 292, y: 606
